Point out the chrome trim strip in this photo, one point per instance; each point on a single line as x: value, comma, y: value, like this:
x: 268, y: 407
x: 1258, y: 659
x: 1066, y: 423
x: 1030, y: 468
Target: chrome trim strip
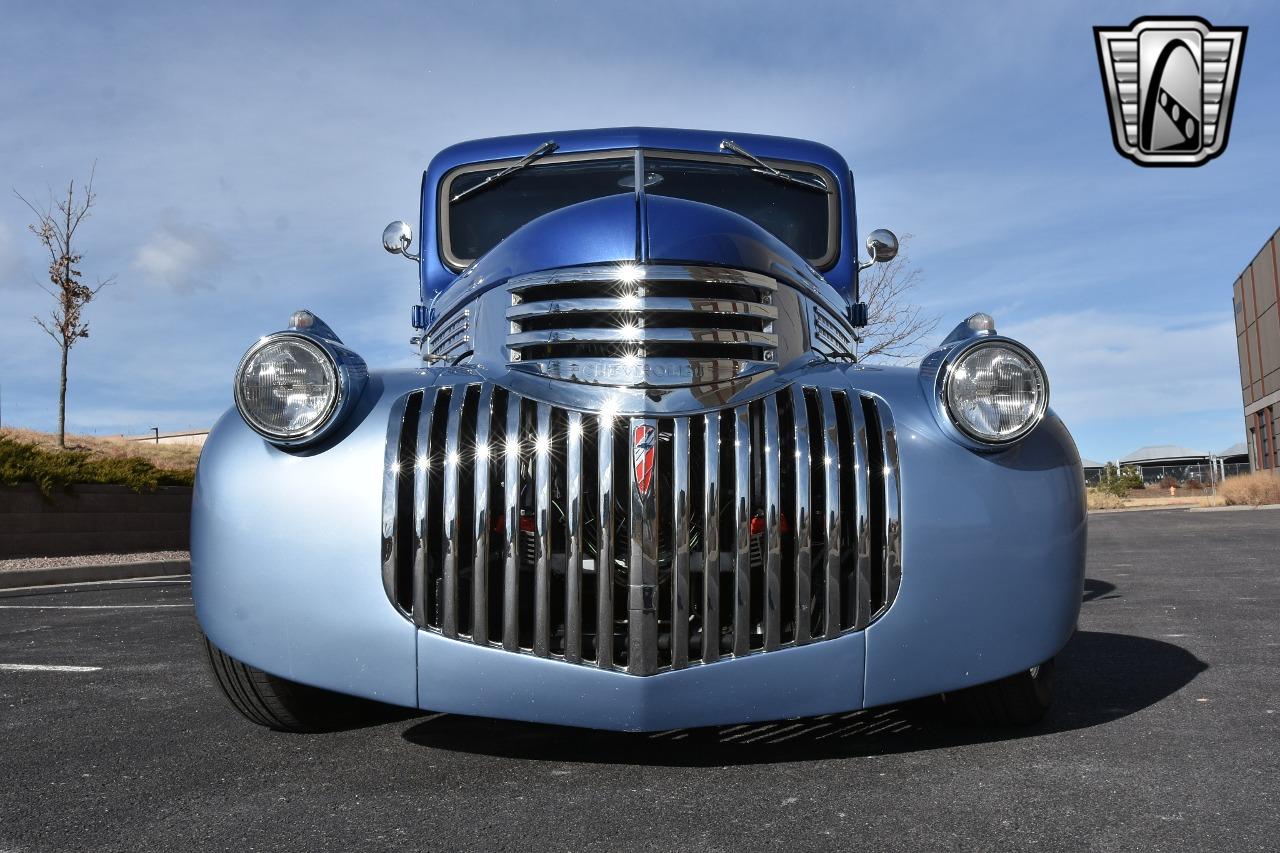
x: 892, y: 504
x: 862, y: 522
x: 711, y: 538
x: 604, y: 552
x: 642, y: 598
x: 803, y: 518
x: 642, y: 305
x: 651, y: 272
x: 831, y: 471
x: 642, y: 335
x: 480, y: 517
x: 542, y: 524
x: 422, y: 488
x: 646, y: 372
x: 771, y: 547
x: 511, y: 528
x: 452, y: 529
x: 742, y: 515
x: 573, y: 571
x: 680, y: 544
x: 390, y: 494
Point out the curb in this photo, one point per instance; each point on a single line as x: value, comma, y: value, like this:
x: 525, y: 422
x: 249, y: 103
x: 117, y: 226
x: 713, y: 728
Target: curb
x: 84, y: 574
x: 1233, y: 508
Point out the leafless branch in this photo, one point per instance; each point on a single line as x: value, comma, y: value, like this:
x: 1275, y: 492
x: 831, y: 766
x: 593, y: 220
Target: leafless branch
x: 896, y: 327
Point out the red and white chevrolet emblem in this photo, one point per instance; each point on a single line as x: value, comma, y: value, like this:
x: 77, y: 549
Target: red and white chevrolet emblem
x: 644, y: 453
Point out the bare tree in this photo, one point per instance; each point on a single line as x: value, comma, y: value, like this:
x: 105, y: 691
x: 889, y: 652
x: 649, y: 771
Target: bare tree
x: 895, y: 325
x: 55, y: 227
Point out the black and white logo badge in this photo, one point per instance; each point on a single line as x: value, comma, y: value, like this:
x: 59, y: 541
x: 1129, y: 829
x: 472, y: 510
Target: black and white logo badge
x: 1170, y: 85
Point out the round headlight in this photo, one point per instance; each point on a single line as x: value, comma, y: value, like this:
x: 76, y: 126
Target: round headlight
x: 996, y: 392
x: 286, y: 387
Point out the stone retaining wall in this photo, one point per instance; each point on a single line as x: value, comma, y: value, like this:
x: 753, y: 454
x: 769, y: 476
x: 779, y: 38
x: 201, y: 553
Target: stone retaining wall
x: 93, y: 520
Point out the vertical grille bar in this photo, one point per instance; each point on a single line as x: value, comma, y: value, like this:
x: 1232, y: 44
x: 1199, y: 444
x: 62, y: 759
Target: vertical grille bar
x: 861, y: 460
x: 892, y: 504
x: 831, y: 471
x: 642, y: 604
x: 711, y: 540
x: 803, y: 517
x: 542, y: 526
x: 511, y: 529
x: 680, y: 544
x: 452, y: 531
x: 573, y: 571
x: 391, y: 462
x: 421, y: 486
x: 772, y: 545
x: 742, y: 518
x: 605, y: 546
x: 480, y: 559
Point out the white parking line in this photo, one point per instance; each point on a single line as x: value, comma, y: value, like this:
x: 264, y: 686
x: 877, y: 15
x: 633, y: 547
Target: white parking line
x: 38, y: 667
x: 158, y: 579
x: 87, y: 606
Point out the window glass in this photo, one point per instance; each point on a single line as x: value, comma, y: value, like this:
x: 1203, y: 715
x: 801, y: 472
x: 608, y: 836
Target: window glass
x: 795, y: 215
x: 481, y: 220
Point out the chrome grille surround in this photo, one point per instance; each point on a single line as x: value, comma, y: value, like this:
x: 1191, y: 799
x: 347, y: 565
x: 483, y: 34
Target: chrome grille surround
x: 516, y: 524
x: 653, y: 324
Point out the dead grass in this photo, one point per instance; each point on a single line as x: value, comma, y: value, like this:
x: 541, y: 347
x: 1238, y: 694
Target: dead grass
x: 173, y: 457
x: 1256, y: 489
x: 1103, y: 500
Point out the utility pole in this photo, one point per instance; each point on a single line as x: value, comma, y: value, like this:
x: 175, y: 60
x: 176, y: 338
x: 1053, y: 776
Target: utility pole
x: 156, y: 430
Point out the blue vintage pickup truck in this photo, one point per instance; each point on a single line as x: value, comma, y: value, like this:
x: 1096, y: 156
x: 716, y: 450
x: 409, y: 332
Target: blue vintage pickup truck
x: 639, y: 478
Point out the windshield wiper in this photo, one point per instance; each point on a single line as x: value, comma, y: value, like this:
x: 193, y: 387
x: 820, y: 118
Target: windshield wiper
x: 763, y: 168
x: 541, y: 151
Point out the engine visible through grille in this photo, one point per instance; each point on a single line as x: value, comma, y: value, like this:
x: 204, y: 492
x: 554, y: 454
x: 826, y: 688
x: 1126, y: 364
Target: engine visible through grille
x: 641, y: 544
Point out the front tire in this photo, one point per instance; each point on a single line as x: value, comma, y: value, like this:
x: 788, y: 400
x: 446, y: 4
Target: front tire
x: 1022, y: 699
x: 284, y: 705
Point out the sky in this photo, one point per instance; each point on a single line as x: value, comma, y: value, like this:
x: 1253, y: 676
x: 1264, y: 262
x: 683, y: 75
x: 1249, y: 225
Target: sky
x: 249, y: 155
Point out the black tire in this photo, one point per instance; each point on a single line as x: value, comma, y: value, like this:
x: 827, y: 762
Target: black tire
x: 284, y: 705
x: 1022, y: 699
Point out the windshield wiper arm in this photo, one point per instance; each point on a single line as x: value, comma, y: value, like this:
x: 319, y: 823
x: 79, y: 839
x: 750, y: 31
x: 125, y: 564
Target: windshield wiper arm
x: 763, y: 168
x: 541, y: 151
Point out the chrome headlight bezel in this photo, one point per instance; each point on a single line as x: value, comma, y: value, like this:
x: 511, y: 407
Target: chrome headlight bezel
x: 349, y: 372
x: 955, y: 425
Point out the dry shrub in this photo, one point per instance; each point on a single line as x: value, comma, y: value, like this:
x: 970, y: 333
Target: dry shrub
x: 1256, y: 489
x: 177, y: 457
x: 1103, y: 500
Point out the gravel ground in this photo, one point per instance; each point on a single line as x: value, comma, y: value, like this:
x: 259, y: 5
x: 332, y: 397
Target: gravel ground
x: 19, y: 563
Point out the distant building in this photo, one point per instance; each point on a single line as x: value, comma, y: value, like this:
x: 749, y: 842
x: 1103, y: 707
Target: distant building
x: 1092, y: 470
x: 1254, y: 297
x: 1157, y: 461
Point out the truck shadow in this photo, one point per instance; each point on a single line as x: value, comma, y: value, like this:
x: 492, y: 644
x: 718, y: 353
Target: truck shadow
x: 1100, y: 677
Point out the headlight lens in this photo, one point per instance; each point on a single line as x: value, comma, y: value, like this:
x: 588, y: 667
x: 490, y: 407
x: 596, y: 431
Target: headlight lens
x: 996, y: 392
x: 286, y: 387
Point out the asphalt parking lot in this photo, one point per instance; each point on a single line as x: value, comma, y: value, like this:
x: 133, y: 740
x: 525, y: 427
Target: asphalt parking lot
x: 1165, y: 736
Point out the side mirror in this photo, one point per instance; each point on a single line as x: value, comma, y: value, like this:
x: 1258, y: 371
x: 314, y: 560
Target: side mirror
x: 396, y: 239
x: 882, y: 245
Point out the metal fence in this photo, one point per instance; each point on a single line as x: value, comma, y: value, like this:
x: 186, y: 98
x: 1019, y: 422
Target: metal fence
x: 1154, y: 475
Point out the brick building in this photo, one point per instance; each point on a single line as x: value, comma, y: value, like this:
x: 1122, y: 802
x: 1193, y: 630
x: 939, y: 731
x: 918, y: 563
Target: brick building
x: 1255, y: 295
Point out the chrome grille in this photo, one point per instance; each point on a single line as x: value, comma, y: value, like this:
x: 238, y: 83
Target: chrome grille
x: 451, y: 337
x: 829, y: 335
x: 524, y: 526
x: 632, y: 324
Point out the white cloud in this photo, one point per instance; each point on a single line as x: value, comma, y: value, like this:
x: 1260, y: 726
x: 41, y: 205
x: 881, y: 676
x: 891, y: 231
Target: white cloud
x: 180, y: 255
x: 1124, y: 367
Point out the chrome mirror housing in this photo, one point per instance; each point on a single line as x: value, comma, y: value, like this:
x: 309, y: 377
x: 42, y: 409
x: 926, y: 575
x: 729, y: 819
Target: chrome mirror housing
x: 882, y: 244
x: 396, y: 239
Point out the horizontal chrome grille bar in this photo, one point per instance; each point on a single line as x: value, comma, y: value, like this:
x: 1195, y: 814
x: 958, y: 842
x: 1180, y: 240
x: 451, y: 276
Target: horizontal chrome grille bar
x: 641, y: 336
x: 642, y: 305
x: 633, y: 274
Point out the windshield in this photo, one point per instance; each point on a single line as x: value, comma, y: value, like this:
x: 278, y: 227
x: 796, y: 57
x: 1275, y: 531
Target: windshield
x: 481, y: 217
